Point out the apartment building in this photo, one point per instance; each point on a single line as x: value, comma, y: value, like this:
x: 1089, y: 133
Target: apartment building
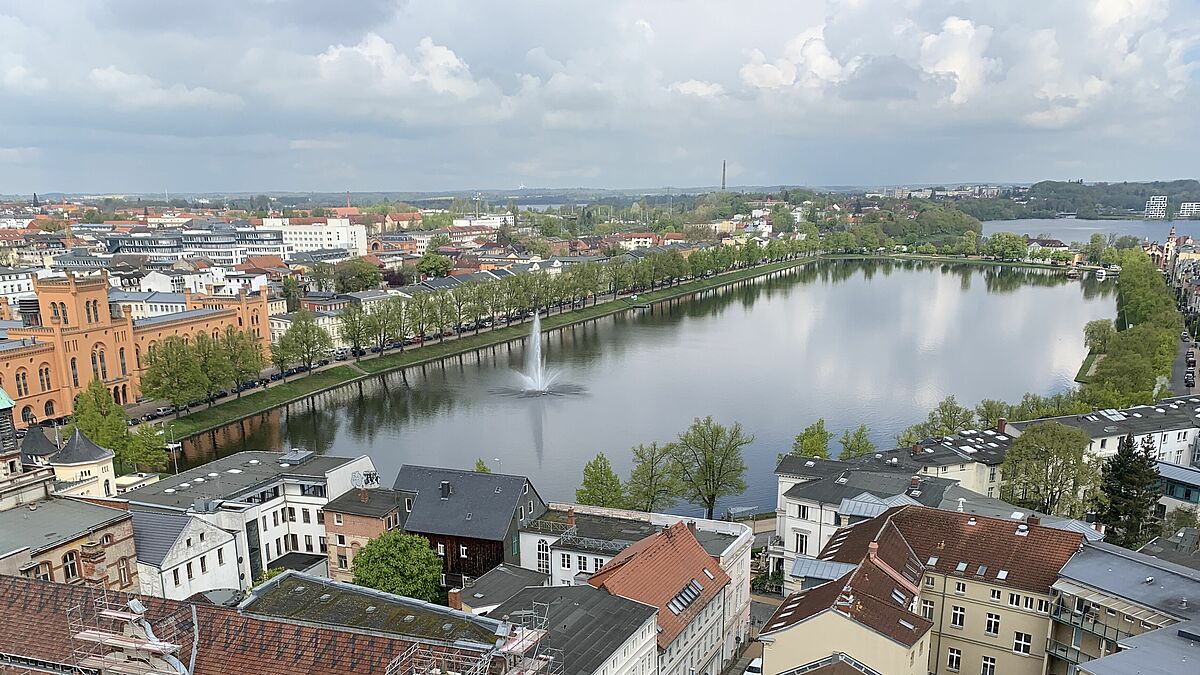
x: 1172, y: 426
x: 179, y: 556
x: 273, y: 503
x: 973, y: 458
x: 1188, y: 210
x: 980, y: 586
x: 355, y: 518
x: 672, y: 572
x: 1156, y: 207
x: 69, y: 541
x: 315, y: 234
x: 1180, y: 488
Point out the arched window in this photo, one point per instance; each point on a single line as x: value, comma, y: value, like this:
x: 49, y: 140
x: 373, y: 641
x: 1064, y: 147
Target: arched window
x: 125, y: 393
x: 543, y: 556
x: 116, y: 394
x: 27, y: 414
x: 44, y: 378
x: 74, y: 372
x: 96, y: 311
x: 216, y: 334
x: 103, y: 367
x: 137, y: 357
x: 70, y: 566
x: 87, y: 310
x: 54, y: 309
x: 121, y: 356
x: 63, y: 307
x: 22, y: 383
x: 49, y: 409
x: 123, y: 571
x: 95, y: 366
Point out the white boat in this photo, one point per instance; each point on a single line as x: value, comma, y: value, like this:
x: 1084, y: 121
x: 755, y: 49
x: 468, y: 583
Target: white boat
x: 1100, y: 275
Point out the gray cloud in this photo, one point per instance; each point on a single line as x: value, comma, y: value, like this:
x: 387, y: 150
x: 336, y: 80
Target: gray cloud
x: 131, y: 95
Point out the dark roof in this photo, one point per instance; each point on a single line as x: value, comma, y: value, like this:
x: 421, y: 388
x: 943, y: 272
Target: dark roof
x: 1181, y: 548
x: 51, y: 522
x: 586, y: 623
x: 316, y: 600
x: 379, y: 503
x: 1165, y: 651
x: 987, y: 447
x: 1119, y: 572
x: 480, y: 505
x: 298, y: 561
x: 37, y: 444
x: 176, y: 316
x: 228, y: 643
x: 499, y: 584
x: 809, y: 467
x: 850, y: 483
x: 155, y: 533
x: 1166, y: 415
x: 593, y: 533
x: 79, y: 449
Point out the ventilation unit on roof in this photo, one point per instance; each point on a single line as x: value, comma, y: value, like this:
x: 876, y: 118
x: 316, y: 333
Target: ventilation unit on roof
x: 295, y: 456
x: 810, y: 463
x: 1022, y: 530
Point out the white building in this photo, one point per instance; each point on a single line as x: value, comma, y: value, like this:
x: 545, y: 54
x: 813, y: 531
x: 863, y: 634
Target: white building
x: 270, y: 502
x: 178, y: 281
x: 330, y: 321
x: 143, y: 305
x: 1189, y: 209
x: 17, y: 283
x: 303, y: 235
x: 179, y: 556
x: 1156, y: 207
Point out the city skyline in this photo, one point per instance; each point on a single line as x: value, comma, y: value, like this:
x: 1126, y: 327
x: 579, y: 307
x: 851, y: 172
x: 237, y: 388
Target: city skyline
x: 142, y: 97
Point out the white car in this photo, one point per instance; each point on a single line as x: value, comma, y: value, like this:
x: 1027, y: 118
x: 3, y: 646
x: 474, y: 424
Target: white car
x: 755, y: 667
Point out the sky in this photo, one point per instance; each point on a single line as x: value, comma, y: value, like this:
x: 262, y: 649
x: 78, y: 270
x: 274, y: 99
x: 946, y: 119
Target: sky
x: 113, y: 96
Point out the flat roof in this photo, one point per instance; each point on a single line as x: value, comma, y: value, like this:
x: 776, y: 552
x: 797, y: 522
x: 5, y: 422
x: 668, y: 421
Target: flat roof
x: 593, y: 533
x: 379, y: 502
x: 47, y: 523
x: 499, y: 584
x: 1136, y: 577
x: 1165, y: 651
x: 238, y: 474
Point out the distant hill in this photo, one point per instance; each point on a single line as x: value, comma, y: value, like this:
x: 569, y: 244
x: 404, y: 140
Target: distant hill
x: 1087, y: 200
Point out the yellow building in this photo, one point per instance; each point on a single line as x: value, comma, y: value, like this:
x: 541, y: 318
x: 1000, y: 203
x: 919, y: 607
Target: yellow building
x: 77, y: 336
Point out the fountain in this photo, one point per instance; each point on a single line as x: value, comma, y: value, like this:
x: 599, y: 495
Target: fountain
x: 537, y: 379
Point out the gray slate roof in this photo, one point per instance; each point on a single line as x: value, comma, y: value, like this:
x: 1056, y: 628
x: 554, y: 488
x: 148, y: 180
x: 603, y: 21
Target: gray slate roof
x: 79, y: 449
x: 851, y: 483
x: 379, y: 503
x: 36, y: 444
x: 501, y: 583
x: 175, y: 316
x: 1123, y: 573
x: 155, y: 533
x: 1166, y: 651
x: 51, y: 522
x: 1181, y: 548
x: 809, y: 467
x: 480, y: 505
x: 586, y: 623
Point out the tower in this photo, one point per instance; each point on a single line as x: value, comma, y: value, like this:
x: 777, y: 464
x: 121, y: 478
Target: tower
x: 722, y: 175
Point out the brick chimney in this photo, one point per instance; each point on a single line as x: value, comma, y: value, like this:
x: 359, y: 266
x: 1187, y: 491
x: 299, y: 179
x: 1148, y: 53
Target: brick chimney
x: 916, y: 449
x: 364, y: 495
x: 1033, y: 519
x: 1001, y: 424
x: 692, y: 526
x: 914, y: 482
x: 92, y: 567
x: 571, y: 517
x: 454, y: 599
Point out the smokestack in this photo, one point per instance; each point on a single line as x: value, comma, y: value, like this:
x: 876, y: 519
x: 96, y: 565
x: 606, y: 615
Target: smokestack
x: 914, y: 482
x: 916, y: 449
x: 571, y: 517
x: 446, y: 489
x: 1033, y: 519
x: 454, y: 599
x: 722, y: 175
x: 1001, y: 424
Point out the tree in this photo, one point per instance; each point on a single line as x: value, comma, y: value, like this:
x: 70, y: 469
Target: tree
x: 433, y: 265
x: 267, y: 575
x: 813, y: 441
x: 246, y: 361
x: 481, y: 466
x: 708, y: 461
x: 946, y: 419
x: 321, y: 276
x: 98, y: 417
x: 652, y: 483
x: 1006, y: 246
x: 437, y: 241
x: 1097, y: 334
x: 1047, y: 469
x: 356, y: 274
x: 601, y: 486
x: 387, y: 322
x: 1130, y: 487
x: 292, y: 292
x: 146, y: 450
x: 856, y: 444
x: 214, y: 364
x: 399, y: 563
x: 1178, y: 519
x: 306, y: 341
x: 281, y: 357
x: 355, y: 328
x: 173, y: 373
x: 989, y: 411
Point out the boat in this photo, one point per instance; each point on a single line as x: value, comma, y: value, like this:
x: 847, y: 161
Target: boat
x: 1073, y: 273
x: 1114, y: 270
x: 1100, y: 274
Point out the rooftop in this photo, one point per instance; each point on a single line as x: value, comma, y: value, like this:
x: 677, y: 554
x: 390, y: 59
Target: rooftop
x: 1175, y: 413
x: 1166, y: 651
x: 154, y: 534
x: 79, y: 449
x: 238, y: 475
x: 48, y: 523
x: 986, y: 446
x: 1135, y: 577
x: 593, y: 533
x: 478, y: 505
x: 499, y: 584
x: 1185, y: 475
x: 177, y: 316
x: 849, y: 483
x: 809, y: 467
x: 1181, y: 548
x: 316, y: 600
x: 377, y: 503
x: 586, y: 623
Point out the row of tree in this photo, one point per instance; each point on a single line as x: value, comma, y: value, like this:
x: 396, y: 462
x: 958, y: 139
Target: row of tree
x: 185, y: 370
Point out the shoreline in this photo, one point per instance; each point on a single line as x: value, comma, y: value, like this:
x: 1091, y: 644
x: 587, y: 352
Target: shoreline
x: 207, y: 420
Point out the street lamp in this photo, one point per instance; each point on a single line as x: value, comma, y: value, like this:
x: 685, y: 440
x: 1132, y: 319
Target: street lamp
x: 499, y: 465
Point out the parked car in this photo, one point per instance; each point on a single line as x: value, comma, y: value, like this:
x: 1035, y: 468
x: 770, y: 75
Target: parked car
x: 164, y: 410
x: 755, y: 667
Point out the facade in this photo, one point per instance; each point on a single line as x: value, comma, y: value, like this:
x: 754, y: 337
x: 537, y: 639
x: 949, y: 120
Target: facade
x: 271, y: 502
x: 145, y: 304
x: 355, y: 518
x: 83, y: 466
x: 672, y: 572
x: 471, y: 519
x: 1189, y: 210
x: 1180, y: 488
x: 69, y: 541
x: 1156, y: 207
x: 314, y: 234
x: 77, y: 335
x: 280, y: 323
x: 179, y: 556
x: 1172, y: 426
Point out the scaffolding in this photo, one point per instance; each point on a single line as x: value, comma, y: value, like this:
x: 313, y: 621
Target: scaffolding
x: 425, y: 659
x: 115, y: 638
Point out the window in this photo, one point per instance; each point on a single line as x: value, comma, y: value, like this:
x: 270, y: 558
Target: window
x: 293, y: 542
x: 597, y: 563
x: 220, y: 556
x: 441, y: 549
x: 992, y: 625
x: 337, y: 519
x: 189, y: 572
x: 123, y: 571
x: 958, y: 616
x: 1014, y: 600
x: 320, y: 517
x: 462, y: 551
x: 275, y: 518
x: 267, y: 549
x: 322, y: 544
x: 543, y: 556
x: 1022, y: 642
x: 121, y: 356
x: 988, y: 667
x: 927, y: 609
x: 342, y: 561
x: 175, y: 576
x: 304, y: 515
x: 960, y: 587
x: 1029, y: 602
x: 341, y: 540
x: 203, y: 565
x: 566, y: 561
x: 74, y: 372
x: 929, y: 582
x: 801, y: 543
x: 308, y: 543
x: 802, y: 511
x: 954, y: 660
x: 70, y: 566
x: 1043, y: 606
x: 995, y: 595
x: 582, y: 563
x: 408, y: 504
x: 292, y: 515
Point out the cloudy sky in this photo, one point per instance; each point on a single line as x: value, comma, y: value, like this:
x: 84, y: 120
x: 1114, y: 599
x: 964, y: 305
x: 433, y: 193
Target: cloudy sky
x: 246, y: 95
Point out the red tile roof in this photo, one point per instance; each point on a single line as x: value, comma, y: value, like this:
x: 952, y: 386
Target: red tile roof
x: 229, y: 643
x: 656, y: 569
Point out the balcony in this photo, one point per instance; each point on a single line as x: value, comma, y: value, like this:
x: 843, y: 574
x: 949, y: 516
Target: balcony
x: 1089, y: 622
x: 1066, y: 652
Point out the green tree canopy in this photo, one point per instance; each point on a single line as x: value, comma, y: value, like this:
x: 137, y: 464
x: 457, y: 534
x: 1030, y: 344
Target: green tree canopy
x: 708, y: 461
x: 355, y: 327
x: 399, y: 563
x: 1097, y: 334
x: 601, y: 486
x: 356, y: 274
x: 304, y: 340
x: 99, y: 418
x: 173, y: 373
x: 434, y: 265
x: 1047, y: 469
x: 1130, y: 488
x: 481, y: 466
x: 813, y: 441
x: 856, y: 443
x: 652, y: 483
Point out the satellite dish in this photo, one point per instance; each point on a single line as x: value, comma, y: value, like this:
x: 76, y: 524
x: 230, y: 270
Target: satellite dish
x: 364, y: 480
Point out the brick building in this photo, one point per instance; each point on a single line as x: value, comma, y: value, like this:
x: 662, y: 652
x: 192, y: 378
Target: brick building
x: 71, y: 542
x: 355, y: 518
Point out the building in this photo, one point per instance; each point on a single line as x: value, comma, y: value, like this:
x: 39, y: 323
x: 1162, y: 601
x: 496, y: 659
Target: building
x: 570, y: 542
x: 271, y: 502
x: 1188, y: 210
x: 973, y: 458
x: 1181, y: 548
x: 280, y: 323
x: 355, y: 518
x: 1106, y: 596
x: 1156, y: 207
x: 983, y: 585
x: 82, y: 467
x: 69, y: 541
x: 472, y: 519
x: 594, y: 632
x: 672, y: 572
x: 1160, y: 652
x: 314, y: 234
x: 495, y: 587
x: 1172, y: 426
x: 1180, y: 488
x: 179, y: 556
x: 75, y: 335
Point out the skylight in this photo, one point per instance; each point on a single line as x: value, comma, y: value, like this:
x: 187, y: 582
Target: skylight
x: 961, y: 567
x: 932, y: 560
x: 1002, y: 575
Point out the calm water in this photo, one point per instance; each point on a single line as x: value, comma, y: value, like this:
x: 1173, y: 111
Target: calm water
x: 1069, y: 229
x: 875, y: 343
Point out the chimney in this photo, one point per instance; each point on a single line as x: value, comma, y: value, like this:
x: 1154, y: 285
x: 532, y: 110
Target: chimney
x: 91, y: 562
x: 916, y: 449
x: 914, y: 482
x: 454, y: 599
x: 1033, y: 519
x: 873, y: 550
x: 446, y: 490
x: 1001, y: 424
x: 691, y: 526
x: 364, y: 495
x: 571, y: 517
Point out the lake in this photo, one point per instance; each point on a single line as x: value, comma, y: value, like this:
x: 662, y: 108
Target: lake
x: 854, y: 342
x: 1071, y: 229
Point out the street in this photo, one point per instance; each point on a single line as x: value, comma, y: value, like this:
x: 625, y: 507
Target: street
x: 1178, y: 370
